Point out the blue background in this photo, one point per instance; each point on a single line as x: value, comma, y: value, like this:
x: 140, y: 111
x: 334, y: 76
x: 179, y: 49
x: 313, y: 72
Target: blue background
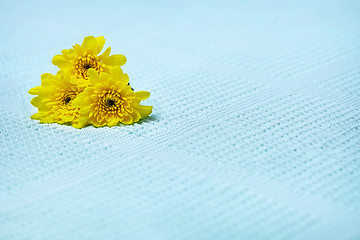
x: 254, y: 132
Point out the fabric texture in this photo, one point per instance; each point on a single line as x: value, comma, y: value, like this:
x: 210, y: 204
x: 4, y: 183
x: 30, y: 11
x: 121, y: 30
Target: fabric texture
x: 254, y: 132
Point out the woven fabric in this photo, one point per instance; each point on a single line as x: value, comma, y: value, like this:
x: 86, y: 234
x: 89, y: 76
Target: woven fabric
x: 254, y: 132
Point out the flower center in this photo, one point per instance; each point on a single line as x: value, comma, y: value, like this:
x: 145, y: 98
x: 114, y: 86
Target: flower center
x: 111, y: 101
x: 87, y: 66
x: 68, y: 97
x: 85, y: 62
x: 67, y: 100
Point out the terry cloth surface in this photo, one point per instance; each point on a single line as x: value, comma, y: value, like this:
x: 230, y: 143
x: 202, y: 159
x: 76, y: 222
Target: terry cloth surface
x: 254, y: 132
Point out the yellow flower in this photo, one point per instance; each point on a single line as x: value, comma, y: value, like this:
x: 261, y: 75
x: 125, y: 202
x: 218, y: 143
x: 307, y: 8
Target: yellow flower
x: 55, y: 97
x: 80, y: 59
x: 110, y: 100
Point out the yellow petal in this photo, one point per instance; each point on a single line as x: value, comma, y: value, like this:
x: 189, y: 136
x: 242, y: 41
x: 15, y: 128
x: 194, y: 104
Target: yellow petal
x: 49, y: 119
x: 46, y: 76
x: 67, y: 118
x: 50, y: 82
x: 136, y: 115
x: 144, y: 110
x: 89, y: 43
x: 61, y: 61
x: 92, y: 112
x: 116, y: 73
x: 76, y: 125
x: 78, y: 49
x: 115, y: 60
x: 122, y: 82
x: 143, y: 95
x: 36, y: 116
x: 80, y: 100
x: 128, y: 119
x: 36, y: 101
x: 113, y: 122
x: 99, y: 118
x: 67, y: 52
x: 128, y: 92
x: 100, y: 44
x: 105, y: 54
x: 93, y: 76
x: 35, y: 90
x: 81, y: 122
x: 104, y: 77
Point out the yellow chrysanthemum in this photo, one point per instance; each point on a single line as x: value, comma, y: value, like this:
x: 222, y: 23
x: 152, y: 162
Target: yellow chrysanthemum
x: 110, y: 100
x: 55, y: 97
x: 80, y: 59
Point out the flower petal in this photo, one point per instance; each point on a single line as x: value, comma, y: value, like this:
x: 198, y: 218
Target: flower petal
x: 122, y: 85
x: 136, y: 115
x: 144, y: 110
x: 100, y: 44
x: 35, y: 90
x: 46, y: 76
x: 127, y: 119
x: 93, y: 76
x: 105, y: 54
x: 36, y: 116
x: 127, y: 91
x: 89, y: 43
x: 143, y: 95
x: 60, y: 61
x: 49, y: 119
x: 78, y: 101
x: 78, y: 50
x: 68, y: 52
x: 36, y: 101
x: 116, y: 73
x: 81, y: 122
x: 113, y: 122
x: 104, y: 77
x: 115, y: 60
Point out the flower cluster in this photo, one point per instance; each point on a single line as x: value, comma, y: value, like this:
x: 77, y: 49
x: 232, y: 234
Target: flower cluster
x: 88, y: 89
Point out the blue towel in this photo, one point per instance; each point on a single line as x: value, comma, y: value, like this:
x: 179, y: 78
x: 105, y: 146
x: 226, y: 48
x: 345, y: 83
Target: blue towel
x: 254, y: 132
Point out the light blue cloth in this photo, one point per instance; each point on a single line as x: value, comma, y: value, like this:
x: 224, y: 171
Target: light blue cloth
x: 254, y: 132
